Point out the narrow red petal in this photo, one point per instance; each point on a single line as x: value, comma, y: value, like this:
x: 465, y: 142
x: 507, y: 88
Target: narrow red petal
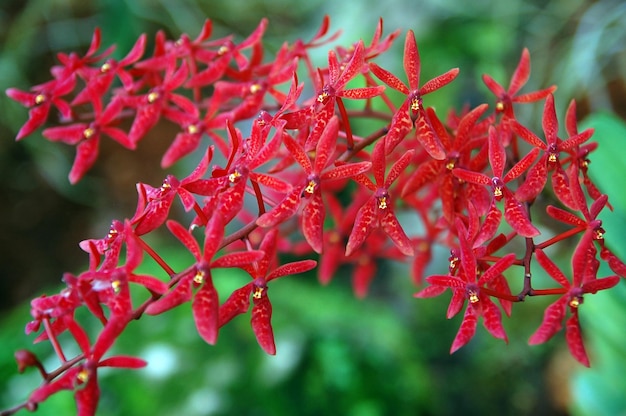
x: 552, y: 322
x: 517, y: 217
x: 313, y: 222
x: 262, y: 324
x: 492, y: 319
x: 574, y: 340
x: 466, y: 331
x: 552, y: 269
x: 411, y: 61
x: 521, y: 74
x: 205, y: 309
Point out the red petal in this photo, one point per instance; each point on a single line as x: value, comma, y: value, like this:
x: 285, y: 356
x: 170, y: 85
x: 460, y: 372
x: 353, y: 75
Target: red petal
x: 527, y: 135
x: 466, y: 331
x: 298, y: 153
x: 489, y: 226
x: 37, y: 116
x: 394, y: 230
x: 522, y: 166
x: 388, y: 78
x: 206, y: 311
x: 497, y: 154
x: 136, y: 52
x: 401, y: 125
x: 238, y: 259
x: 575, y: 340
x: 363, y: 274
x: 123, y: 361
x: 364, y: 223
x: 552, y: 322
x: 521, y: 74
x: 493, y: 86
x: 398, y: 167
x: 237, y: 303
x: 564, y: 216
x: 177, y: 296
x: 471, y: 176
x: 430, y: 291
x: 446, y: 280
x: 429, y: 141
x: 213, y: 235
x: 550, y: 123
x: 292, y: 268
x: 353, y: 67
x: 411, y: 61
x: 552, y: 269
x: 517, y: 217
x: 496, y: 269
x: 593, y: 286
x: 313, y: 222
x: 492, y: 318
x: 185, y: 237
x: 535, y: 181
x: 362, y: 93
x: 281, y: 212
x: 346, y: 171
x: 326, y: 145
x: 262, y: 325
x: 71, y: 134
x: 86, y: 155
x: 439, y: 81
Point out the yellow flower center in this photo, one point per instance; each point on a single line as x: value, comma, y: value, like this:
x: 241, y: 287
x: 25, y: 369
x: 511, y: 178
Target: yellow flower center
x: 83, y: 376
x: 153, y: 96
x: 199, y: 277
x: 88, y: 132
x: 473, y: 296
x: 323, y: 96
x: 415, y: 104
x: 310, y: 188
x: 258, y: 292
x: 575, y: 302
x: 40, y: 98
x: 233, y: 176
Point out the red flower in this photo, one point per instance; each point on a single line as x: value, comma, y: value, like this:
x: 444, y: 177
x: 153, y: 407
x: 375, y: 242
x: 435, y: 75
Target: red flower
x: 572, y: 296
x: 239, y: 301
x: 86, y: 137
x: 550, y: 160
x: 100, y: 80
x: 40, y: 100
x: 467, y: 286
x: 514, y: 212
x: 314, y: 211
x: 506, y: 98
x: 411, y: 111
x: 378, y: 210
x: 154, y: 203
x: 205, y: 301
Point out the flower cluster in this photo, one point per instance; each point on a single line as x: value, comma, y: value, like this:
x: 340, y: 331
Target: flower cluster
x: 417, y: 180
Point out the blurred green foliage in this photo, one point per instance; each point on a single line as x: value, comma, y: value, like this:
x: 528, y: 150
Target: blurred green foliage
x: 387, y: 354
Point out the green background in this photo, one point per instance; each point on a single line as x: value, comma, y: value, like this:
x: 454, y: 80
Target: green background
x: 386, y: 354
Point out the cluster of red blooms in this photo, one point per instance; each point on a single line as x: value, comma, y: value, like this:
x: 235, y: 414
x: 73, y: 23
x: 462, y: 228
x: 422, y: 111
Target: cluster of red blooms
x: 291, y: 160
